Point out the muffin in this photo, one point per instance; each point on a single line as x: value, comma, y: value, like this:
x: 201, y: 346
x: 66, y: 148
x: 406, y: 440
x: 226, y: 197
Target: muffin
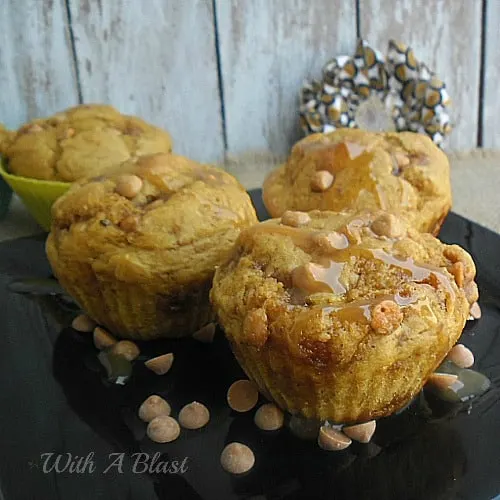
x: 342, y: 316
x: 137, y: 249
x: 352, y: 169
x: 83, y: 141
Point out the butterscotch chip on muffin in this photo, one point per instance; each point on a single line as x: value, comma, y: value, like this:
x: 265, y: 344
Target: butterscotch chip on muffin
x: 346, y: 332
x: 137, y: 249
x: 84, y: 141
x: 352, y: 169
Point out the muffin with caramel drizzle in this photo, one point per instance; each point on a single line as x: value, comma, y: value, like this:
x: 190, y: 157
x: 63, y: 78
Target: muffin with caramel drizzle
x: 137, y: 248
x: 352, y: 169
x: 342, y: 316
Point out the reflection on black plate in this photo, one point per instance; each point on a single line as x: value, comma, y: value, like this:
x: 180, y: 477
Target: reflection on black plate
x: 55, y: 399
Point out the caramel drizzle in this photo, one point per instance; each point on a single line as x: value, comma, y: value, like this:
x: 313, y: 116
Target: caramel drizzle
x: 343, y: 155
x: 325, y: 274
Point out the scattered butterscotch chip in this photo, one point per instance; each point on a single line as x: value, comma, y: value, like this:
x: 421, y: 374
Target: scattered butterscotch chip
x: 475, y: 310
x: 401, y: 159
x: 386, y: 317
x: 442, y: 381
x: 295, y: 219
x: 388, y: 225
x: 83, y: 323
x: 153, y: 407
x: 321, y: 180
x: 128, y: 185
x: 163, y: 429
x: 237, y: 458
x: 332, y: 439
x: 361, y: 432
x: 194, y: 416
x: 462, y: 356
x: 269, y: 417
x: 161, y: 364
x: 127, y: 349
x: 205, y: 334
x: 242, y: 396
x: 102, y: 338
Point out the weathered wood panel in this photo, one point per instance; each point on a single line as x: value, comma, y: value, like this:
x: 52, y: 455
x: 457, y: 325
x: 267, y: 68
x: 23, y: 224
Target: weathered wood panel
x: 37, y: 74
x: 268, y: 48
x: 156, y: 59
x: 446, y: 35
x: 491, y: 100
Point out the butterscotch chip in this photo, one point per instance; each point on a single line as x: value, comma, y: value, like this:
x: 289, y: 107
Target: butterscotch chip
x: 194, y: 416
x: 475, y: 310
x: 70, y: 132
x: 153, y: 407
x: 127, y: 349
x: 295, y: 219
x: 442, y: 381
x: 255, y: 327
x: 83, y: 323
x: 330, y: 241
x: 163, y: 429
x: 128, y: 185
x: 386, y: 317
x: 457, y: 269
x: 321, y: 180
x: 471, y: 292
x: 401, y: 159
x: 388, y: 225
x: 361, y: 432
x: 129, y: 223
x: 269, y: 417
x: 462, y: 356
x: 33, y: 129
x: 309, y: 277
x: 242, y: 396
x: 102, y: 338
x: 205, y: 334
x: 331, y: 439
x: 237, y: 458
x: 161, y: 364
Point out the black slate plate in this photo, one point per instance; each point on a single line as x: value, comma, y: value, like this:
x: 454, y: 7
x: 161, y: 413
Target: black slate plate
x: 54, y: 399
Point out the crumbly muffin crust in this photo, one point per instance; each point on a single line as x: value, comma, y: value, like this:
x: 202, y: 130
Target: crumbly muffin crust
x: 342, y: 316
x: 83, y: 141
x: 352, y: 169
x: 138, y: 248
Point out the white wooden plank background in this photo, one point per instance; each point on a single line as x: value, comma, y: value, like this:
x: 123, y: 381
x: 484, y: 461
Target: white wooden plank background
x: 446, y: 35
x: 491, y: 102
x: 156, y: 59
x: 37, y: 74
x: 267, y: 48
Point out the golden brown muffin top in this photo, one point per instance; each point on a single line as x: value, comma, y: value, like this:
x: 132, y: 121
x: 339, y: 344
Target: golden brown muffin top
x: 352, y: 169
x: 342, y: 316
x: 158, y: 219
x: 83, y: 141
x: 331, y: 271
